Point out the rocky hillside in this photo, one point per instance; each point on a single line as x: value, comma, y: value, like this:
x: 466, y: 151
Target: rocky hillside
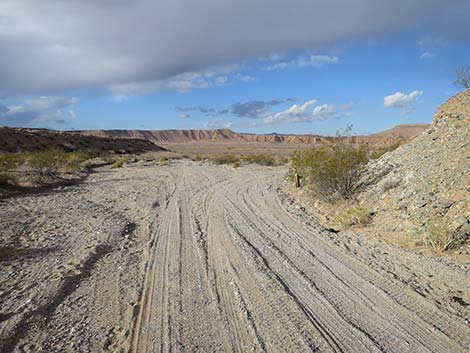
x: 225, y: 135
x: 423, y: 187
x: 20, y: 140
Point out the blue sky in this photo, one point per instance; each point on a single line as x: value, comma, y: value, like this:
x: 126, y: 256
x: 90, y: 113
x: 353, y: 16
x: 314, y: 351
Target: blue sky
x: 371, y: 77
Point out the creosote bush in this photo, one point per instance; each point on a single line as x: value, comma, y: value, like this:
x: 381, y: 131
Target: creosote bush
x: 333, y: 170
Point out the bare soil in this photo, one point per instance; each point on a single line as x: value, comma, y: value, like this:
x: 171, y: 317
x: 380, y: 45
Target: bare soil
x: 197, y: 258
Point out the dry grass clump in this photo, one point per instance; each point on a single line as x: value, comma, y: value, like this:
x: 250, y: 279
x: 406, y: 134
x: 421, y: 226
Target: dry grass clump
x: 436, y: 233
x: 118, y: 164
x: 163, y: 161
x: 225, y: 159
x: 261, y: 159
x: 352, y: 217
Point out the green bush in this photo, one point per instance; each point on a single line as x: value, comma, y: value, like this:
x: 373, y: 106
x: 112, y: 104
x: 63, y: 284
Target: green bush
x: 333, y: 170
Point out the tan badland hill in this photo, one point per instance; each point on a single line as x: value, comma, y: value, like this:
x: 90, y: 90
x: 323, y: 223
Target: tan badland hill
x: 225, y: 135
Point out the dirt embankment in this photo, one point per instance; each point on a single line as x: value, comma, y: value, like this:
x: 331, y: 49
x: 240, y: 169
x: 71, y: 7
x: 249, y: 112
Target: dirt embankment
x: 22, y: 139
x: 193, y: 257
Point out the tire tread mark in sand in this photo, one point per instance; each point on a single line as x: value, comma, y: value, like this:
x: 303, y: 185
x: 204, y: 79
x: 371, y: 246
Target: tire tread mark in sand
x: 304, y: 276
x: 426, y: 313
x: 310, y: 281
x: 316, y: 323
x: 378, y: 345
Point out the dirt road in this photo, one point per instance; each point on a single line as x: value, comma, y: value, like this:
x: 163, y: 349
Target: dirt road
x: 199, y: 258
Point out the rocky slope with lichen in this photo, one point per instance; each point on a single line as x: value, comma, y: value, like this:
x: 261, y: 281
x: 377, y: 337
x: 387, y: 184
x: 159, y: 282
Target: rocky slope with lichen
x: 423, y: 187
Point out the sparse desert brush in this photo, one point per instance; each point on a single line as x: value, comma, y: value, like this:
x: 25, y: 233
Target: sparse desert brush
x: 118, y: 164
x: 435, y: 233
x: 353, y: 216
x: 261, y: 159
x: 225, y: 159
x: 236, y: 164
x: 163, y: 161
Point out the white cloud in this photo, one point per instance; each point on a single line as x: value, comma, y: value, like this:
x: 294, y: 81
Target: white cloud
x: 303, y: 113
x: 38, y: 111
x: 245, y: 78
x: 427, y: 55
x: 302, y: 61
x: 221, y: 80
x: 184, y: 116
x: 402, y: 101
x: 91, y: 43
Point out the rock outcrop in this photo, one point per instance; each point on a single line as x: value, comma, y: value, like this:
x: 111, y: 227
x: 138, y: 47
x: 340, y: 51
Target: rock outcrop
x: 426, y: 182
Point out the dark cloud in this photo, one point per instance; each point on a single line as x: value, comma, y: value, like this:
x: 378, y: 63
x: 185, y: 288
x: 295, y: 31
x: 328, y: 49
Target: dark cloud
x: 61, y: 45
x: 38, y: 111
x: 205, y: 110
x: 255, y: 109
x: 251, y: 109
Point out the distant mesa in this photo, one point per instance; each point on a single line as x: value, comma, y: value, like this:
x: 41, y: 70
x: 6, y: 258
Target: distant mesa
x: 406, y: 131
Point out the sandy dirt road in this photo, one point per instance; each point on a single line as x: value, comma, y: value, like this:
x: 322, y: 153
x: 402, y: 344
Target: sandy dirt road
x: 199, y: 258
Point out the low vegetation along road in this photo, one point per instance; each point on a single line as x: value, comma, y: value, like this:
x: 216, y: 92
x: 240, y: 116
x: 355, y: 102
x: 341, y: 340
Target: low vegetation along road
x: 198, y: 258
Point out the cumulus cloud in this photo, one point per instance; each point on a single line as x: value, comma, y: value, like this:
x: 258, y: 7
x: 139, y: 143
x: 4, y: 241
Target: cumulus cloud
x: 402, y: 101
x: 63, y: 45
x: 38, y: 111
x: 302, y: 61
x: 427, y: 55
x: 184, y: 116
x: 306, y: 112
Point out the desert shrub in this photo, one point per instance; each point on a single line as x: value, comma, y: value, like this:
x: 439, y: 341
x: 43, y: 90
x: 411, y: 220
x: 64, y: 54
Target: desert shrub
x: 198, y: 158
x: 236, y: 164
x: 435, y: 233
x: 333, y: 171
x: 261, y: 159
x: 6, y: 178
x: 51, y: 163
x: 117, y: 164
x: 353, y: 216
x: 163, y: 161
x: 225, y: 159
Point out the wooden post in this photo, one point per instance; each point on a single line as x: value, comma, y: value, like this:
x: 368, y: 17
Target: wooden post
x: 297, y: 180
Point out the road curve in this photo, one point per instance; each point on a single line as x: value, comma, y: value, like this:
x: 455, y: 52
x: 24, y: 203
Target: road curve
x: 231, y: 269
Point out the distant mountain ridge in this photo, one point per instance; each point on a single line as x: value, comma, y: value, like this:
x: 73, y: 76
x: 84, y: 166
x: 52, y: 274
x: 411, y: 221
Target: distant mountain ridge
x: 405, y: 131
